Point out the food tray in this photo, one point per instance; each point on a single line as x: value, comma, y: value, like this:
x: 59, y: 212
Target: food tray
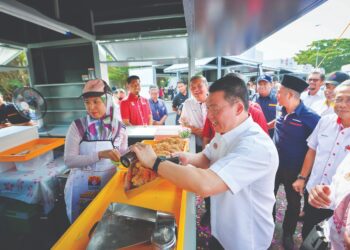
x: 134, y: 191
x: 30, y: 150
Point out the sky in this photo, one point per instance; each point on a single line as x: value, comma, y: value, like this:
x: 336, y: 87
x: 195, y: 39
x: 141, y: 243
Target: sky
x: 327, y: 21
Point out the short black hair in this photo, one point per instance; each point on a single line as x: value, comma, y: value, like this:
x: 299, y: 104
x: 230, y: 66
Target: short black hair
x: 234, y: 88
x: 131, y: 78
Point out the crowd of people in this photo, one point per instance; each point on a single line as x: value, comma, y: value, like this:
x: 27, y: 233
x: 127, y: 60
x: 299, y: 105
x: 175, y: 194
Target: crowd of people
x: 304, y: 130
x: 248, y: 143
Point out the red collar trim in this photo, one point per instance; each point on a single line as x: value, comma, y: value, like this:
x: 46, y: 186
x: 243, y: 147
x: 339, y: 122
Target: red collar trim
x: 339, y: 123
x: 339, y: 120
x: 133, y: 97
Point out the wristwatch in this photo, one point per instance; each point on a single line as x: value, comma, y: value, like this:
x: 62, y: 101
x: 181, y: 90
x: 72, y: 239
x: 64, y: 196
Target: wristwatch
x: 300, y: 177
x: 159, y: 159
x: 157, y: 162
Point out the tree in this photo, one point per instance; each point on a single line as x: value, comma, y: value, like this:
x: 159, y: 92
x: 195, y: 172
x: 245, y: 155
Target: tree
x: 328, y: 54
x: 10, y: 80
x: 117, y: 76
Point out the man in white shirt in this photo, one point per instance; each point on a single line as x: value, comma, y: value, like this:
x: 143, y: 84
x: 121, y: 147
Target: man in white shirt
x: 313, y: 93
x: 237, y: 170
x: 336, y: 197
x: 327, y: 148
x: 326, y: 107
x: 194, y: 110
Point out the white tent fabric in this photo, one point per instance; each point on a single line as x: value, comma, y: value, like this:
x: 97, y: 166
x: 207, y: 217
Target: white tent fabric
x: 8, y: 54
x: 183, y: 67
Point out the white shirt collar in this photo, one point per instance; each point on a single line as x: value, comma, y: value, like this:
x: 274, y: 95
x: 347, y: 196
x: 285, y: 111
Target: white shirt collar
x: 319, y: 93
x: 237, y: 131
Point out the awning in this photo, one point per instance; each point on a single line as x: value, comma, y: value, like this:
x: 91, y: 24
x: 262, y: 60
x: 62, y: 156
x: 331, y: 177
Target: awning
x: 205, y: 63
x: 147, y: 49
x: 8, y: 54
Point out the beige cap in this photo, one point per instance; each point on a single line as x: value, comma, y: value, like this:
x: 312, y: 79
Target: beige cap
x: 94, y: 87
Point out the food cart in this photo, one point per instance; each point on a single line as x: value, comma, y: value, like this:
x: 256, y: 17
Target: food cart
x: 159, y: 195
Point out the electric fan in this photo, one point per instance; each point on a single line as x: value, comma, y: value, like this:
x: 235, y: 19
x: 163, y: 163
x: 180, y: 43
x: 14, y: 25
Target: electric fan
x: 29, y: 103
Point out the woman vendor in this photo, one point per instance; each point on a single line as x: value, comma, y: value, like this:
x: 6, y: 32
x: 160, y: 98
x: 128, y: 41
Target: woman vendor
x: 91, y: 143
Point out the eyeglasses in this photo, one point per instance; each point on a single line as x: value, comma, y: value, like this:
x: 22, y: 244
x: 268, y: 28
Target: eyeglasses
x: 313, y: 80
x: 215, y: 110
x: 341, y: 100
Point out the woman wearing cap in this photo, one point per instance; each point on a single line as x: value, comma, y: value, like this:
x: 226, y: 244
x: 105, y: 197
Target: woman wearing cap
x: 91, y: 143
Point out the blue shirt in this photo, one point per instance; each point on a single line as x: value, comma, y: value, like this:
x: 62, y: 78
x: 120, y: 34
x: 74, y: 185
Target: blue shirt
x: 158, y: 109
x: 179, y: 99
x: 268, y: 105
x: 291, y: 132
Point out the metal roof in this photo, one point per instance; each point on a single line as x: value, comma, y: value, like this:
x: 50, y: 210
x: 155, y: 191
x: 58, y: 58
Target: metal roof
x: 214, y: 28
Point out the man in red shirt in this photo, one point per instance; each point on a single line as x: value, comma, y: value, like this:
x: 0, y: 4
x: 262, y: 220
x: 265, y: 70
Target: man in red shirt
x: 135, y: 109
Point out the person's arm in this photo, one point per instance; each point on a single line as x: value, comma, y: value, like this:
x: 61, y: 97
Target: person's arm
x: 196, y: 159
x: 149, y: 112
x: 165, y: 116
x: 175, y: 104
x: 271, y: 124
x: 5, y: 125
x: 125, y: 112
x: 162, y: 121
x: 196, y: 131
x: 205, y: 142
x: 72, y: 157
x: 112, y: 154
x: 200, y: 181
x: 127, y: 122
x: 319, y: 196
x: 299, y: 184
x: 346, y: 240
x: 203, y: 182
x: 312, y: 142
x: 30, y: 123
x: 258, y: 116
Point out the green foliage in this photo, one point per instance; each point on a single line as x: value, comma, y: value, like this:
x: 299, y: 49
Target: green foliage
x: 163, y: 81
x: 118, y: 76
x: 329, y: 54
x: 10, y: 80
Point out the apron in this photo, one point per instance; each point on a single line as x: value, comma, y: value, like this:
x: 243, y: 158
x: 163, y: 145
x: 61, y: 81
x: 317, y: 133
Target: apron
x: 83, y: 184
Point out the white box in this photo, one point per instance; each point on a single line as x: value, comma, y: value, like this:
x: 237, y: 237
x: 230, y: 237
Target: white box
x: 35, y: 163
x: 16, y: 135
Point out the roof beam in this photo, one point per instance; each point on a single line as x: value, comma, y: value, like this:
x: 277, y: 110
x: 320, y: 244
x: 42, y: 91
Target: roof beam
x: 24, y: 12
x: 140, y: 19
x: 144, y: 35
x: 58, y: 43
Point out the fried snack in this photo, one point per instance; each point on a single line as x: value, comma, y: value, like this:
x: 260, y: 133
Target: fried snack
x: 139, y: 175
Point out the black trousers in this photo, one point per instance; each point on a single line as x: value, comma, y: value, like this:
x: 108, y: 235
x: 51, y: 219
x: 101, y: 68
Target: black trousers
x: 207, y: 204
x: 287, y: 177
x: 214, y: 244
x: 313, y: 216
